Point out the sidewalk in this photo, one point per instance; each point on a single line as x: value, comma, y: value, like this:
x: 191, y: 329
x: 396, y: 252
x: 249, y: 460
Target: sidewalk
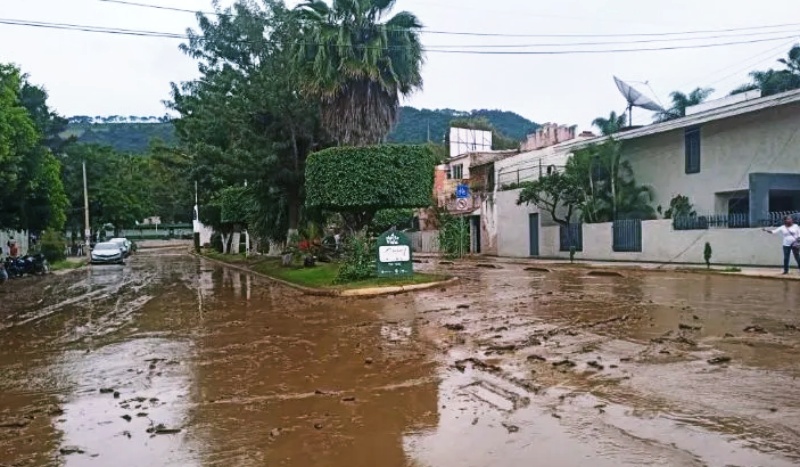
x: 755, y: 271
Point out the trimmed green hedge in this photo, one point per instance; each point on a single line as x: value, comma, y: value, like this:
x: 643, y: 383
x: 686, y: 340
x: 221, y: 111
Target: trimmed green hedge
x: 369, y: 178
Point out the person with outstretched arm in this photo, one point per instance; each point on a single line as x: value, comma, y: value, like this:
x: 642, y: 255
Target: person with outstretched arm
x: 791, y: 241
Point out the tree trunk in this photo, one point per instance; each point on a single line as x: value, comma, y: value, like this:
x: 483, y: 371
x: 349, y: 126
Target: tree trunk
x: 226, y: 243
x: 294, y: 214
x: 237, y: 237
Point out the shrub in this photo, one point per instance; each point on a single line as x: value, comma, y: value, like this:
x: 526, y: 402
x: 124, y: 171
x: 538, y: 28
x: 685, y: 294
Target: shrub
x: 707, y: 255
x: 52, y: 246
x: 358, y: 182
x: 359, y: 262
x: 453, y: 236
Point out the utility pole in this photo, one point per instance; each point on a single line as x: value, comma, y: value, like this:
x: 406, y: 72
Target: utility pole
x: 87, y: 233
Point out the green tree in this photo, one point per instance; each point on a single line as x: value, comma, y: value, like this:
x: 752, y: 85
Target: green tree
x: 359, y: 182
x: 681, y: 101
x: 612, y: 124
x: 358, y: 67
x: 607, y: 185
x: 244, y: 119
x: 775, y: 81
x: 557, y: 193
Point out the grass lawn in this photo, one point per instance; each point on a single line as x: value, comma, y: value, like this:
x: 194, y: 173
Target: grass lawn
x: 66, y: 264
x: 322, y: 275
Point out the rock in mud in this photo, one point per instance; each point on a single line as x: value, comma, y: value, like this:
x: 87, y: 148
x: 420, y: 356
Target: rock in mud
x: 510, y: 428
x: 275, y: 432
x: 67, y: 450
x: 533, y: 340
x: 368, y: 360
x: 14, y: 424
x: 116, y: 394
x: 454, y: 327
x: 318, y: 426
x: 446, y: 263
x: 605, y: 274
x: 790, y: 327
x: 106, y: 390
x: 349, y: 399
x: 487, y: 266
x: 502, y: 348
x: 462, y: 307
x: 161, y: 429
x: 141, y: 414
x: 536, y: 358
x: 535, y: 269
x: 127, y: 417
x: 719, y: 360
x: 475, y: 421
x: 755, y: 329
x: 689, y: 327
x: 596, y: 365
x: 564, y: 363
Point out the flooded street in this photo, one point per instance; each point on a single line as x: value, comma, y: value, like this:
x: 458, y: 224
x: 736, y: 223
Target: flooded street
x: 175, y: 361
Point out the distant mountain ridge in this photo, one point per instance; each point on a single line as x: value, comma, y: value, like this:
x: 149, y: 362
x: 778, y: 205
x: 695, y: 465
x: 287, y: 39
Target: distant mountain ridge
x: 131, y: 135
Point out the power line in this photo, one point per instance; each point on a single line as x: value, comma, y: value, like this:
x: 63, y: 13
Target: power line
x: 431, y: 49
x: 493, y: 34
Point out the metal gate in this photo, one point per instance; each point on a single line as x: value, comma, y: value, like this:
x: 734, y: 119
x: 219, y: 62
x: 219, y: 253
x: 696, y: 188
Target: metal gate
x: 628, y: 235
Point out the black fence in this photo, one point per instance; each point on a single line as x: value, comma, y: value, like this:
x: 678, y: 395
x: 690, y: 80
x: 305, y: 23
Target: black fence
x: 571, y: 236
x: 627, y: 235
x: 730, y: 221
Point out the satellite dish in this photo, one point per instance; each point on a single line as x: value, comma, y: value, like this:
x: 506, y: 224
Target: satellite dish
x: 635, y: 99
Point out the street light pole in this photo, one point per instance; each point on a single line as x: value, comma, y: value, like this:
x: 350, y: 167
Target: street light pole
x: 88, y: 231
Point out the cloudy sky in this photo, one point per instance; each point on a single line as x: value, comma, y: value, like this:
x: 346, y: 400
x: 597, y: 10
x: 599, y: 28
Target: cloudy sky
x: 103, y: 74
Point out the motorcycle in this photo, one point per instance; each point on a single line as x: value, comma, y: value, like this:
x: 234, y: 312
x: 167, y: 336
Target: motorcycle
x: 30, y: 264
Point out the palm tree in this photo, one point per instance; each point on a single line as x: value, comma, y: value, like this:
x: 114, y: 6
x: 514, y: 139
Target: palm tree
x: 774, y: 81
x: 612, y: 124
x: 681, y: 101
x: 357, y: 66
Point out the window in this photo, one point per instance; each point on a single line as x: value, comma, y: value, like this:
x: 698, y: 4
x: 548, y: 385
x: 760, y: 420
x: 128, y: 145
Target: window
x: 692, y: 140
x: 457, y: 171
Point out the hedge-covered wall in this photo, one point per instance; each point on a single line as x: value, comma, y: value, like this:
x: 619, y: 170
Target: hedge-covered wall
x: 369, y: 178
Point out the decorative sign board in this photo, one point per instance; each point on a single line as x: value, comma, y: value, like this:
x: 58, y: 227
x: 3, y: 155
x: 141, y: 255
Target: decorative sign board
x: 394, y: 255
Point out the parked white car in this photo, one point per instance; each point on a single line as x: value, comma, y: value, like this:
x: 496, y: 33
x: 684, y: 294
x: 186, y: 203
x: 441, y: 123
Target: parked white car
x: 124, y: 243
x: 108, y: 253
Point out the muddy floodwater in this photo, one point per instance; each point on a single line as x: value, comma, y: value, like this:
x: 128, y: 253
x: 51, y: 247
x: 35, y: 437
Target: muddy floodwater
x: 175, y: 361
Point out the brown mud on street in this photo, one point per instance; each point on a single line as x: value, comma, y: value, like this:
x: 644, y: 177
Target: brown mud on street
x: 171, y: 360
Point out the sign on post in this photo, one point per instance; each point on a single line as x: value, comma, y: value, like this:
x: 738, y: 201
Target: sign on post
x: 462, y: 191
x: 394, y: 255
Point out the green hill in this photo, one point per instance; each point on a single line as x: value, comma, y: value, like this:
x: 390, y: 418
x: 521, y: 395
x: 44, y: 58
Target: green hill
x: 414, y: 126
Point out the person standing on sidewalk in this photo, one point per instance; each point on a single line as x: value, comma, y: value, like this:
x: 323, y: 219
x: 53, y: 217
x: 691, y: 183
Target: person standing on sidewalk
x: 791, y: 241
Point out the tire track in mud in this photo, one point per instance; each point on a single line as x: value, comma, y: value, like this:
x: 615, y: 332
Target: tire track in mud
x: 594, y: 340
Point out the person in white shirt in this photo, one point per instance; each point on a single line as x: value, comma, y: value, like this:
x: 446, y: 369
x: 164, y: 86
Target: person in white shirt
x: 791, y: 241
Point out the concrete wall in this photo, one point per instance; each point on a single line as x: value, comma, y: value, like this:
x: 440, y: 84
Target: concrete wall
x: 765, y: 141
x: 660, y: 243
x: 513, y: 235
x: 426, y: 241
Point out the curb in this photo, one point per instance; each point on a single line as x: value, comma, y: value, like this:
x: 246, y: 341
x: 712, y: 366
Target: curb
x: 363, y: 292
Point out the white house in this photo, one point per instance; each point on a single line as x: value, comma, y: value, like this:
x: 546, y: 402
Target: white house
x: 735, y: 156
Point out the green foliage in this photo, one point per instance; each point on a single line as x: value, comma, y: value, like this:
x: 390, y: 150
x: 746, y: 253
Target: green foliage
x: 31, y: 193
x: 358, y: 67
x: 707, y: 255
x: 732, y: 269
x: 681, y: 101
x: 52, y: 245
x: 609, y: 188
x: 388, y: 218
x: 233, y: 208
x: 358, y: 182
x: 553, y: 193
x: 245, y: 119
x: 359, y: 260
x: 453, y: 235
x: 133, y: 138
x: 611, y: 124
x: 679, y: 206
x: 774, y: 81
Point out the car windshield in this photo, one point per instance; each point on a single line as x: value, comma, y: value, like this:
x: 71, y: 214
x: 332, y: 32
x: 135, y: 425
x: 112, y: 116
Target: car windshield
x: 106, y: 246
